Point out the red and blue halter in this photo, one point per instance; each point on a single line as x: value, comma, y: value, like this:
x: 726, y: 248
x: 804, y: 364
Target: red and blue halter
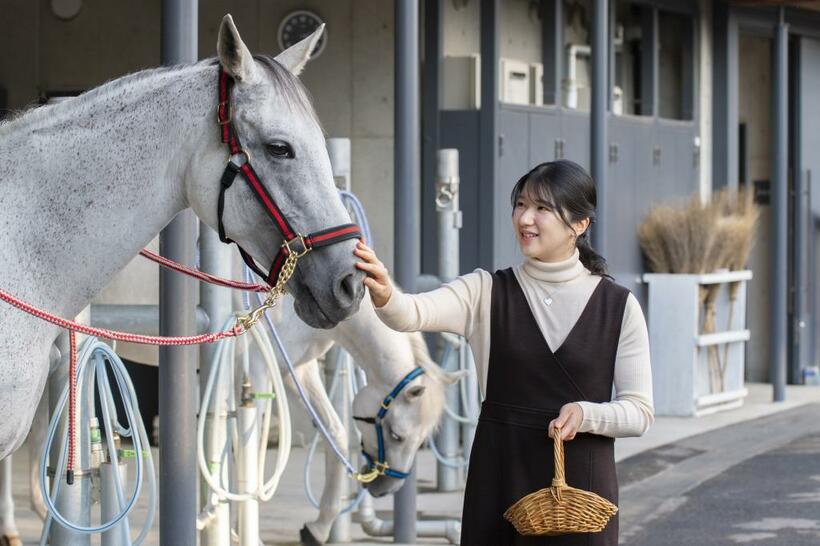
x: 380, y: 465
x: 293, y: 241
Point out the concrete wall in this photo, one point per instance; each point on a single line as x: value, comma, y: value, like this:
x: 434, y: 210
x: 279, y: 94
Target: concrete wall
x: 754, y: 109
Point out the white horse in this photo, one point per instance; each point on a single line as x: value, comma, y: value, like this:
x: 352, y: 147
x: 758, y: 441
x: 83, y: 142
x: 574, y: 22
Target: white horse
x: 86, y: 183
x: 386, y: 356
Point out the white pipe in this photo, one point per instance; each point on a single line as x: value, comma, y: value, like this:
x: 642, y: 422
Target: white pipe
x: 375, y: 527
x: 571, y: 85
x: 110, y: 504
x: 246, y: 469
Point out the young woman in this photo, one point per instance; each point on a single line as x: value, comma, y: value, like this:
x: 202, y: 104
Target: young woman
x: 551, y: 337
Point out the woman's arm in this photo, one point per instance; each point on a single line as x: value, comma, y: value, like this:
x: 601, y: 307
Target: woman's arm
x: 630, y: 413
x: 454, y: 307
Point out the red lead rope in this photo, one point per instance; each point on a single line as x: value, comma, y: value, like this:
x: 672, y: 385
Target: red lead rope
x: 74, y: 327
x: 201, y: 275
x: 72, y: 401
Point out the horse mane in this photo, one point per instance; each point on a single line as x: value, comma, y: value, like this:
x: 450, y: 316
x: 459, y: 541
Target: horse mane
x: 289, y: 85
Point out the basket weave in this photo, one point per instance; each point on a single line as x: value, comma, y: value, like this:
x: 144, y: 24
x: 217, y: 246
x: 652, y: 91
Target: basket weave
x: 560, y: 509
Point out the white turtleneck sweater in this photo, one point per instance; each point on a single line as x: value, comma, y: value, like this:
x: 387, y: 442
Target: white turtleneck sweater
x: 463, y: 308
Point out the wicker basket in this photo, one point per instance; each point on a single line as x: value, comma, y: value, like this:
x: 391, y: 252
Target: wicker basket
x: 560, y: 509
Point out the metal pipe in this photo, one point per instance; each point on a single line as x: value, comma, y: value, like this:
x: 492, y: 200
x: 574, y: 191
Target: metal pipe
x: 375, y: 527
x: 407, y: 144
x: 449, y: 225
x: 216, y: 303
x: 780, y: 204
x: 144, y: 319
x: 598, y: 121
x: 573, y: 53
x: 341, y: 530
x: 110, y: 505
x: 489, y: 145
x: 407, y: 204
x: 178, y: 383
x: 247, y: 468
x: 802, y: 294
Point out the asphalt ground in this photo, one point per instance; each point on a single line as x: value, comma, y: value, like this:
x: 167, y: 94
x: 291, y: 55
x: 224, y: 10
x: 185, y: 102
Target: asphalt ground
x: 755, y: 483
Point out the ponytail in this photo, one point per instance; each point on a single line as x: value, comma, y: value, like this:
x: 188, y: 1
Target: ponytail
x: 591, y: 259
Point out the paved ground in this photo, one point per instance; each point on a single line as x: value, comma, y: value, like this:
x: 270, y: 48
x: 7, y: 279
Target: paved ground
x: 753, y: 483
x: 747, y: 476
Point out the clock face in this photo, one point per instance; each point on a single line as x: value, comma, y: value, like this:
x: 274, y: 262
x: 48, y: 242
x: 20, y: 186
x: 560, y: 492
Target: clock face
x: 297, y: 26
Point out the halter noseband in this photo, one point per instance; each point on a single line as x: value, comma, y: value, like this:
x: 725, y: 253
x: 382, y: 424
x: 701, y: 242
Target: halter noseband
x: 293, y: 241
x: 380, y: 466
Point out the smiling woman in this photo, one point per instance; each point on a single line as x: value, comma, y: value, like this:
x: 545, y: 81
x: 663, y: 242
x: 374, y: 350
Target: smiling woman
x: 551, y: 337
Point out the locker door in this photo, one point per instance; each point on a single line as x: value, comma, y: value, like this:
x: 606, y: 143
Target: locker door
x: 624, y: 257
x: 513, y: 162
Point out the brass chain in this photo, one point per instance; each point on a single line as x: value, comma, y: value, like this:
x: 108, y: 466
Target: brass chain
x: 246, y: 322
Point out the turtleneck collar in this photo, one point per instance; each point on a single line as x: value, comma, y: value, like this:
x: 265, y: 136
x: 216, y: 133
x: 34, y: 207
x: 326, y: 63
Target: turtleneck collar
x: 563, y: 271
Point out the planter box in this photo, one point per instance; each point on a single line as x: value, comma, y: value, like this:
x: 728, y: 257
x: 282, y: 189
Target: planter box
x: 680, y: 365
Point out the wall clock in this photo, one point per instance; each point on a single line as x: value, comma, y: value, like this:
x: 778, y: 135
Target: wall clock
x: 298, y: 25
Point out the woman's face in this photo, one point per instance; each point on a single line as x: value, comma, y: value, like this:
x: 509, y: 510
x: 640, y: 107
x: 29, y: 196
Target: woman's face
x: 540, y: 231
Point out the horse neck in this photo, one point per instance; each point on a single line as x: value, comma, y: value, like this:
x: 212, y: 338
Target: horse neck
x: 373, y: 346
x: 90, y: 181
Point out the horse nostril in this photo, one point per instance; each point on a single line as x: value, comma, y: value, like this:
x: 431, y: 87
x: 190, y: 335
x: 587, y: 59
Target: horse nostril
x: 348, y: 290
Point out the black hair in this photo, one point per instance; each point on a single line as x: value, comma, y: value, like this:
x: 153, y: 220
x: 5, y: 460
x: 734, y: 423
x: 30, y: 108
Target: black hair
x: 571, y: 191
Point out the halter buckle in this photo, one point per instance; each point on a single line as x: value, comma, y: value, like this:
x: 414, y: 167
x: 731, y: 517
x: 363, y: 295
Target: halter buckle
x: 228, y: 112
x: 242, y: 152
x: 299, y: 252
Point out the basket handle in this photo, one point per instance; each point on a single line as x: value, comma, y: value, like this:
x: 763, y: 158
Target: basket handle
x: 559, y: 480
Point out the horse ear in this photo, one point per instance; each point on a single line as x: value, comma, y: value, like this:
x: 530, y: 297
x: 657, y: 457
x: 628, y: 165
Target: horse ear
x: 296, y: 56
x: 413, y: 393
x: 234, y: 55
x: 452, y: 377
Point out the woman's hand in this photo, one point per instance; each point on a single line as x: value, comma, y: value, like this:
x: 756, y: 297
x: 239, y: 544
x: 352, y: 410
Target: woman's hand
x: 569, y: 420
x: 377, y: 279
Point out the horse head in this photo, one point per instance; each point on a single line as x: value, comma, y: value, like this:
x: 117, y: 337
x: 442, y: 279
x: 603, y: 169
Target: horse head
x: 272, y: 115
x: 412, y: 416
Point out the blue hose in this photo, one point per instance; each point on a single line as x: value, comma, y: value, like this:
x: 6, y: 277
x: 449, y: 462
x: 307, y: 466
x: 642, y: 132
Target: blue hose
x: 101, y: 354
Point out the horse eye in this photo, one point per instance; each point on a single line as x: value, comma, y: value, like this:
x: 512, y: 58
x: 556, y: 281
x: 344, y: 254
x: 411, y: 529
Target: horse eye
x: 396, y: 437
x: 280, y: 150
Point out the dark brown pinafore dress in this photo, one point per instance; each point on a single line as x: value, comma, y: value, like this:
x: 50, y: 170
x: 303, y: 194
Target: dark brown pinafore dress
x: 527, y: 384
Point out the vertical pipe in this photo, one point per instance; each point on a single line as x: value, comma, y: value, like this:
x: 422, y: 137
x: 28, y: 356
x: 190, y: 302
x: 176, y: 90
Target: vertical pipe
x: 488, y: 138
x: 406, y: 165
x: 247, y: 469
x: 177, y: 370
x: 404, y: 510
x: 610, y: 71
x: 430, y: 127
x: 406, y: 203
x: 779, y: 196
x: 552, y: 49
x: 598, y: 122
x: 449, y: 225
x: 339, y: 151
x: 110, y: 505
x: 724, y: 103
x: 341, y: 530
x: 214, y: 258
x: 649, y: 61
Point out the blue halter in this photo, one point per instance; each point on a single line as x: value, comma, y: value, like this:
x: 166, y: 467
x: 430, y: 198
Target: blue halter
x: 380, y: 465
